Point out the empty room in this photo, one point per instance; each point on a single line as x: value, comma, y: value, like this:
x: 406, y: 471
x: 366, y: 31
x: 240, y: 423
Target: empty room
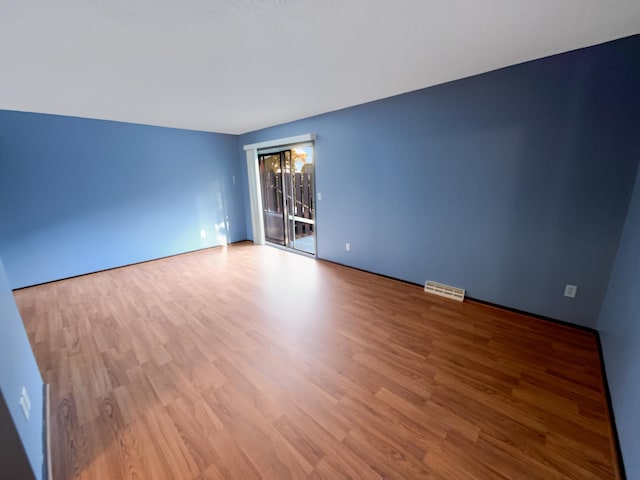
x: 311, y: 239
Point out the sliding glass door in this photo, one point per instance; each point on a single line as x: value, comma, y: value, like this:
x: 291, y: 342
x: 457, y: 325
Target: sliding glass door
x: 288, y: 197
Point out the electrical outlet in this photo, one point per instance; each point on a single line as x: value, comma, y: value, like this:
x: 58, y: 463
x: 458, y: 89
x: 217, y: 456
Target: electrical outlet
x: 570, y: 291
x: 203, y: 233
x: 347, y: 247
x: 319, y: 196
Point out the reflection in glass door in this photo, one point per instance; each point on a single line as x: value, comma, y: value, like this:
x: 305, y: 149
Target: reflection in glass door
x: 271, y: 181
x: 287, y: 187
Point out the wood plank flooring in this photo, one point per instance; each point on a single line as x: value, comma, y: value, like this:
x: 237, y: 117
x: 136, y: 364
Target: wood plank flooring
x: 249, y: 362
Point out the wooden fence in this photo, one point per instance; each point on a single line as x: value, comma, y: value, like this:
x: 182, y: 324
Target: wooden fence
x: 301, y: 199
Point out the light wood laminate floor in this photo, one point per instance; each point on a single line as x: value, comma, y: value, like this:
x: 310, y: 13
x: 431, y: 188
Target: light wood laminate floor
x: 249, y: 362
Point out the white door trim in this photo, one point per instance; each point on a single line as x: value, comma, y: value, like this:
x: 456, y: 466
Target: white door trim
x: 307, y: 137
x: 253, y: 174
x: 255, y: 199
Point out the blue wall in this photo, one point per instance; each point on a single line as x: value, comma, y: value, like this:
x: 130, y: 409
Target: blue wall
x: 17, y: 369
x: 510, y: 184
x: 619, y: 327
x: 80, y: 195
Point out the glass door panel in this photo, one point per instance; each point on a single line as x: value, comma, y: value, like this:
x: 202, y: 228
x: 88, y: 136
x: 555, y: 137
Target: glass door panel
x: 273, y: 205
x: 302, y: 211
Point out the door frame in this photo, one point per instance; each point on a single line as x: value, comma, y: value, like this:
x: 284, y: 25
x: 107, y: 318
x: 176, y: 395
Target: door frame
x: 253, y: 174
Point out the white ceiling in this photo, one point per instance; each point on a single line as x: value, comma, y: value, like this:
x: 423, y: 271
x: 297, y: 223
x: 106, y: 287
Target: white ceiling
x: 234, y: 66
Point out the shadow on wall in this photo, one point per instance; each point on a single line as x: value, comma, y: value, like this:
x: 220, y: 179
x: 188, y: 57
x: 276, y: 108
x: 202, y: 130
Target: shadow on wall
x: 558, y: 197
x: 619, y: 328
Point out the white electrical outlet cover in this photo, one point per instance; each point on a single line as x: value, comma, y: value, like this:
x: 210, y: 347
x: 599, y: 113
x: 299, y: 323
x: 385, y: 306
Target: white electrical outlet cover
x: 570, y: 291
